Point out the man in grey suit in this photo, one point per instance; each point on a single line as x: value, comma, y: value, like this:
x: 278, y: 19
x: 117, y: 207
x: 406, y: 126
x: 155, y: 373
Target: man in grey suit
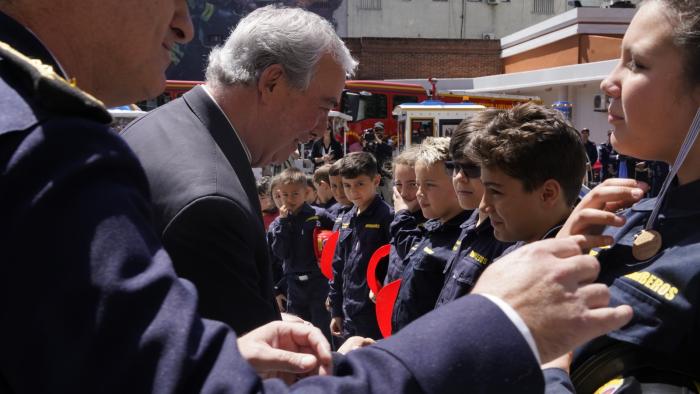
x: 198, y: 151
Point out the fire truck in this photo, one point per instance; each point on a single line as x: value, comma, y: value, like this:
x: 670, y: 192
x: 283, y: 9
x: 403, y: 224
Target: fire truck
x: 368, y: 102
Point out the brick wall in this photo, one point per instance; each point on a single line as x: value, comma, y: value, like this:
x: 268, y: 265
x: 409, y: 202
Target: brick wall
x: 393, y: 58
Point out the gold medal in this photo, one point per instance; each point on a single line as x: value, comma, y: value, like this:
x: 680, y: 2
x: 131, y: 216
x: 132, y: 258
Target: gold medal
x: 647, y: 243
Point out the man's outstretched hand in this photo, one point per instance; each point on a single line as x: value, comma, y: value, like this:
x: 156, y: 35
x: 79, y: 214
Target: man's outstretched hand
x: 286, y: 350
x: 550, y: 284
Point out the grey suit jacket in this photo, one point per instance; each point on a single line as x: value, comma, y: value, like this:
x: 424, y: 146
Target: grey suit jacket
x: 207, y: 208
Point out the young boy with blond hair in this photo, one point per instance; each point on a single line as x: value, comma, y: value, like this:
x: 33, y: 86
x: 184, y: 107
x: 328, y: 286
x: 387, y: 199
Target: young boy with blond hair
x: 422, y: 278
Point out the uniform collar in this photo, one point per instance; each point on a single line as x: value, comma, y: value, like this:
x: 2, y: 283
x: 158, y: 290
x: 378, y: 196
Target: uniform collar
x: 680, y: 201
x: 24, y: 41
x: 371, y: 208
x: 434, y: 225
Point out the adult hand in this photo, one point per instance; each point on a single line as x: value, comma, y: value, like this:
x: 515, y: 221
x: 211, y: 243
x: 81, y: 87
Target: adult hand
x: 337, y: 326
x: 597, y: 209
x: 549, y: 284
x: 281, y: 302
x: 286, y: 350
x: 353, y: 343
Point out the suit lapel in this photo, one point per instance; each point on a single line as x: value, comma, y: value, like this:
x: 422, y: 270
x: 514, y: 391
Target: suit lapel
x: 220, y: 129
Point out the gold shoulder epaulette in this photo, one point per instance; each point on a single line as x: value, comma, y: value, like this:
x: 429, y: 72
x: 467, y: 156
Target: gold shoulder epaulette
x: 51, y: 90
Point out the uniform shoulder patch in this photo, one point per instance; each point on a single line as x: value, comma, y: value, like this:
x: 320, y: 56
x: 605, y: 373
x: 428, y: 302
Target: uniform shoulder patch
x: 52, y: 92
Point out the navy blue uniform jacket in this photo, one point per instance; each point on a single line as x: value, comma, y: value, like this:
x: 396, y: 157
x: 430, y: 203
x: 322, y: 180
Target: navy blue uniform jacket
x: 207, y: 209
x: 406, y: 229
x: 360, y: 236
x: 89, y: 301
x: 293, y: 241
x: 476, y: 248
x: 664, y: 291
x: 422, y: 279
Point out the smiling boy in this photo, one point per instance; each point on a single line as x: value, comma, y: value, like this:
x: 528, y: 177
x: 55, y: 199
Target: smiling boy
x: 476, y: 246
x: 407, y: 226
x: 532, y: 164
x: 364, y: 229
x: 292, y: 242
x: 422, y: 278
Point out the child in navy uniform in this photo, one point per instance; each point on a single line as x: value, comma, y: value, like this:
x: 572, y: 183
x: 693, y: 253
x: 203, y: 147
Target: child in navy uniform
x: 342, y: 204
x: 292, y: 242
x: 422, y: 278
x: 476, y: 246
x: 532, y: 165
x: 364, y: 229
x: 407, y: 226
x: 322, y: 183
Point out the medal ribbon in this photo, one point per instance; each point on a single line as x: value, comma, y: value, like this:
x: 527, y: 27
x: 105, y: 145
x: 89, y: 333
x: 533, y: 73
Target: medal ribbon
x: 682, y: 154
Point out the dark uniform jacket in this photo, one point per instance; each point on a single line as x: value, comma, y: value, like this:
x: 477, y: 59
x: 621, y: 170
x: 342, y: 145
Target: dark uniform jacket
x: 406, y: 230
x: 89, y: 301
x: 293, y: 241
x: 475, y: 249
x: 423, y: 276
x: 360, y: 236
x: 339, y: 210
x: 207, y: 207
x: 664, y: 292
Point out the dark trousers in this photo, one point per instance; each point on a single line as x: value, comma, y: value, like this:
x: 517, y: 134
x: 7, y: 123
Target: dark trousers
x: 362, y: 325
x: 306, y: 297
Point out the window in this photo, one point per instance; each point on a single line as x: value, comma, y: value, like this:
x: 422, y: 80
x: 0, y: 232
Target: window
x: 544, y: 7
x: 398, y: 100
x: 372, y: 107
x: 370, y: 5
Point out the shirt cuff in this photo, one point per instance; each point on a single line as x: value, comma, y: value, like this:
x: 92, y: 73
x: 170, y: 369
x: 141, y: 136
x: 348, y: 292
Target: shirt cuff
x: 517, y: 321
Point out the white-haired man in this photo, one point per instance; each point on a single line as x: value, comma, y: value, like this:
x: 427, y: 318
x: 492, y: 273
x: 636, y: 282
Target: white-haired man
x: 268, y: 87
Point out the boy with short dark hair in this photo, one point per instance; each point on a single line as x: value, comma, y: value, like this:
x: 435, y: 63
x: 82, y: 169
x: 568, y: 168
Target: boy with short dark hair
x: 322, y: 182
x: 532, y: 165
x: 422, y: 278
x: 476, y: 246
x: 292, y: 242
x: 364, y: 229
x: 342, y: 204
x: 267, y: 205
x: 311, y: 196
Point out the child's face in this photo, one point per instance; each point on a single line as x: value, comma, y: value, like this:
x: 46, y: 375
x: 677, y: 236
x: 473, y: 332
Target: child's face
x: 265, y: 201
x: 277, y: 197
x: 469, y: 190
x: 292, y: 196
x: 323, y: 190
x: 516, y: 215
x: 361, y: 190
x: 310, y: 195
x: 338, y: 191
x: 436, y: 197
x: 405, y: 182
